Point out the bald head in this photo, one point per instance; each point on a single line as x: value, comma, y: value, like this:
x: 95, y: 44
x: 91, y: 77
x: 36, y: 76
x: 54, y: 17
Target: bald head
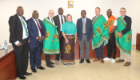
x: 20, y: 11
x: 109, y: 12
x: 35, y: 14
x: 51, y: 13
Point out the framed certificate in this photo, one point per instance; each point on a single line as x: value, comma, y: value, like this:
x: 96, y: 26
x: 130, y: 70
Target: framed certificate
x: 70, y: 4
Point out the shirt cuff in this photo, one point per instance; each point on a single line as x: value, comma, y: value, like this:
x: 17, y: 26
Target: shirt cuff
x: 40, y: 36
x: 17, y: 42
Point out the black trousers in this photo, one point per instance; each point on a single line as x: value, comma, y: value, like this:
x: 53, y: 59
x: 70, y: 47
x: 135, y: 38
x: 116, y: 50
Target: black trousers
x: 61, y: 47
x: 111, y: 46
x: 21, y: 54
x: 47, y: 58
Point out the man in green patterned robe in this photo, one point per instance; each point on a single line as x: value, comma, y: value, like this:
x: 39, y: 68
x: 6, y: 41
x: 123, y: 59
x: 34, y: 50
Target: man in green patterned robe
x: 100, y: 34
x: 51, y: 42
x: 123, y: 36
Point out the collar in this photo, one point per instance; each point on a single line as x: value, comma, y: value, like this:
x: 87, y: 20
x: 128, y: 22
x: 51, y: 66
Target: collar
x: 84, y: 18
x: 60, y: 15
x: 34, y: 19
x: 19, y: 16
x: 123, y: 16
x: 50, y: 18
x: 98, y: 15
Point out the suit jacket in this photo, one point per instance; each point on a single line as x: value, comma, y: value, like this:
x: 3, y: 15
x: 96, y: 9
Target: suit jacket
x: 128, y: 26
x: 89, y: 29
x: 16, y: 30
x: 57, y: 22
x: 50, y: 20
x: 33, y: 30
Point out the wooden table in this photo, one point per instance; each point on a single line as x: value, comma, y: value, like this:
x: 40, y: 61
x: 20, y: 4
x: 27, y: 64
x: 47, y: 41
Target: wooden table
x: 7, y: 64
x: 138, y: 41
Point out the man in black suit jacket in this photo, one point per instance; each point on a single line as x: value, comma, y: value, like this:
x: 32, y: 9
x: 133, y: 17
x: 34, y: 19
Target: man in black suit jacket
x: 19, y: 39
x: 59, y: 20
x: 127, y: 19
x: 85, y: 35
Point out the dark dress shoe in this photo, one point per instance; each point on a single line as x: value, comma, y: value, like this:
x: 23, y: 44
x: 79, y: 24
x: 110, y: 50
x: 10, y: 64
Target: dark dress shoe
x: 22, y: 77
x: 81, y: 61
x: 51, y: 62
x: 27, y: 74
x: 41, y: 68
x: 34, y: 70
x: 88, y: 61
x: 50, y: 66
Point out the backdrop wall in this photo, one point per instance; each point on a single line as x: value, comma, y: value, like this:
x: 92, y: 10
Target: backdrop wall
x: 8, y: 8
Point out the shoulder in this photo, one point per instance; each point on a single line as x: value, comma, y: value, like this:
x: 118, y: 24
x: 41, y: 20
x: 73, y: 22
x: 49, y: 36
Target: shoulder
x: 29, y: 19
x: 79, y: 19
x: 55, y: 16
x: 127, y: 17
x: 13, y: 16
x: 103, y: 16
x: 88, y: 19
x: 93, y: 17
x: 24, y: 18
x: 45, y: 19
x: 40, y: 20
x: 65, y: 23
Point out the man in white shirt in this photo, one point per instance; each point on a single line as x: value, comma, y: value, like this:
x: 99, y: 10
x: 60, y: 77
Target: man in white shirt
x: 59, y: 21
x: 37, y: 34
x: 112, y: 23
x: 19, y: 39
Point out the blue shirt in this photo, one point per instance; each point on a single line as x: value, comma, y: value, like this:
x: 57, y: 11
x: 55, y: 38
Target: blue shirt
x: 84, y: 19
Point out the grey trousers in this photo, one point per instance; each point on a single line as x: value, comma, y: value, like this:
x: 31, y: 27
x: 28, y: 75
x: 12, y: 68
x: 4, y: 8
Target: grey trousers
x: 122, y: 56
x: 82, y: 43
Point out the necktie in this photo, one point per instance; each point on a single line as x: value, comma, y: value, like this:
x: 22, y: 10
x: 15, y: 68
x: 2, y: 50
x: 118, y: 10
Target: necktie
x: 84, y: 27
x: 25, y: 27
x: 62, y: 19
x: 52, y: 20
x: 38, y: 27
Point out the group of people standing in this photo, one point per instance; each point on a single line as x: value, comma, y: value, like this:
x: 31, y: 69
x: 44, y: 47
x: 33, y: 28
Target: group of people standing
x: 58, y: 35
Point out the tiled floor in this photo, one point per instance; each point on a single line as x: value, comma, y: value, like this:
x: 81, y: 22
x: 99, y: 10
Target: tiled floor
x: 92, y: 71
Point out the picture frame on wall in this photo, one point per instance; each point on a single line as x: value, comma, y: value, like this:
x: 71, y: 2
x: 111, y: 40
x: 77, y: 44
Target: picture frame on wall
x: 70, y: 4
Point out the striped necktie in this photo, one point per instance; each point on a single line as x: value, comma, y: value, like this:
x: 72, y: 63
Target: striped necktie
x: 24, y: 25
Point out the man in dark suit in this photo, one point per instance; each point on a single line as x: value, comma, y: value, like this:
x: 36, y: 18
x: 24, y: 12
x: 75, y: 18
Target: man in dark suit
x: 19, y: 39
x: 37, y: 34
x: 123, y: 33
x: 59, y: 20
x: 84, y: 34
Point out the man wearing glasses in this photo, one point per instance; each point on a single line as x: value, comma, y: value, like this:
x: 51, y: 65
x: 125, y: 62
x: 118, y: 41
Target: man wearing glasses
x: 124, y: 36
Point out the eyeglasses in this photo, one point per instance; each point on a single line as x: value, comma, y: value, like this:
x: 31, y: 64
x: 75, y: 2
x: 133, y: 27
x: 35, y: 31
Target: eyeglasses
x: 122, y: 11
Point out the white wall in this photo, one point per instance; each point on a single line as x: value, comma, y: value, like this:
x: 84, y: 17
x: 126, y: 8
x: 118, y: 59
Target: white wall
x: 8, y: 8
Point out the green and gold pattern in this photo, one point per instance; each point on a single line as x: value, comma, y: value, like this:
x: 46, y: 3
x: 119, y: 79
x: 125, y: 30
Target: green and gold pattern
x: 100, y: 32
x: 51, y: 42
x: 123, y: 42
x: 68, y: 49
x: 70, y: 37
